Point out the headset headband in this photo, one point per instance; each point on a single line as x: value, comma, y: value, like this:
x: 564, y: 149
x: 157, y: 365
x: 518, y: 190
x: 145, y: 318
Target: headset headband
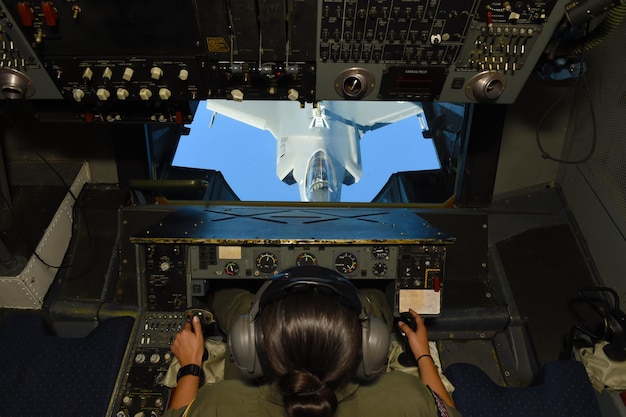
x: 307, y: 278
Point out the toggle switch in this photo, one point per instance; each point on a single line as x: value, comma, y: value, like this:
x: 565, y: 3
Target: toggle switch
x: 435, y: 39
x: 27, y: 15
x: 50, y: 13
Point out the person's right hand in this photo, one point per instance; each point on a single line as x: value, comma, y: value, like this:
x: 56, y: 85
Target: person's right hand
x: 188, y: 345
x: 418, y: 339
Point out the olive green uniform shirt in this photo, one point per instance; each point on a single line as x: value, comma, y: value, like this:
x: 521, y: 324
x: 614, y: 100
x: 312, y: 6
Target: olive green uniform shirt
x: 394, y: 394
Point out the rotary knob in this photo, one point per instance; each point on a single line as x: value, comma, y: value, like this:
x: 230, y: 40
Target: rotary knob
x: 165, y: 93
x: 237, y: 94
x: 122, y: 94
x: 156, y: 73
x: 103, y: 94
x: 145, y: 94
x: 354, y: 83
x: 292, y: 94
x: 78, y: 94
x: 379, y: 269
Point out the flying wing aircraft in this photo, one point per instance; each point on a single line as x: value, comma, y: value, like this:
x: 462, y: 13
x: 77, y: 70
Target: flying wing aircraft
x: 318, y: 145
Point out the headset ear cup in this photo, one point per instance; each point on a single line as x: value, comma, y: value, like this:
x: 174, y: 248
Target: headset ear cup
x: 242, y: 342
x: 376, y: 339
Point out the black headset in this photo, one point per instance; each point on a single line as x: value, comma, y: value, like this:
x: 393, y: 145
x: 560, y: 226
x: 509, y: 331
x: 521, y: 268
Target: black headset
x: 245, y: 338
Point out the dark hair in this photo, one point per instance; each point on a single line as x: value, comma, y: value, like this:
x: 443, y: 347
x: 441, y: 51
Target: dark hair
x: 312, y: 343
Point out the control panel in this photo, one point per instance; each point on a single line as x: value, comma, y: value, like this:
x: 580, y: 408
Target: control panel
x: 165, y: 277
x: 119, y: 61
x: 141, y: 391
x: 446, y: 50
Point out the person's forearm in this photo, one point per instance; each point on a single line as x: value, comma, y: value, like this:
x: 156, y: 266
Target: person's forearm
x: 430, y: 376
x: 185, y: 391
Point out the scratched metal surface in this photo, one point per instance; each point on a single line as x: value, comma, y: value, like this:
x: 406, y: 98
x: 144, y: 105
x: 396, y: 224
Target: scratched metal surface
x: 292, y: 225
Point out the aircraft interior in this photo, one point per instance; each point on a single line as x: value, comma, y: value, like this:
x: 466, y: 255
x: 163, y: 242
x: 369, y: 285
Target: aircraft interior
x: 512, y: 249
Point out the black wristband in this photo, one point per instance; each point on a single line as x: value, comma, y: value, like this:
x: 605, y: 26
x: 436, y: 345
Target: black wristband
x: 191, y: 369
x: 426, y: 355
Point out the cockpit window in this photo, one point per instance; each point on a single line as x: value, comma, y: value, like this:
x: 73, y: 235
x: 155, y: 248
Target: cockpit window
x: 328, y: 152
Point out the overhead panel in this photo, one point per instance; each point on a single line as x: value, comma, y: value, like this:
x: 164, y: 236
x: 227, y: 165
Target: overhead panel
x: 120, y: 61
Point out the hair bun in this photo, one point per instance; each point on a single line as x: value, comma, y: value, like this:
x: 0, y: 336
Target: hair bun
x: 304, y: 394
x: 321, y: 388
x: 301, y: 382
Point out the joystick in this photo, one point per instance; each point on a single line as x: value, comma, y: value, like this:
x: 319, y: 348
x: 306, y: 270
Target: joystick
x: 406, y: 358
x: 206, y: 321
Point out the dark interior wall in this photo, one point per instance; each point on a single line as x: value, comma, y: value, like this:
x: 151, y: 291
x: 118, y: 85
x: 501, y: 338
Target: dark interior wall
x: 595, y: 189
x: 541, y: 262
x: 29, y: 135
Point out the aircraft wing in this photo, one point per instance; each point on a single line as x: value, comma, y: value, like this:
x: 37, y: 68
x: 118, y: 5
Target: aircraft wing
x: 254, y: 113
x: 363, y: 115
x: 371, y: 115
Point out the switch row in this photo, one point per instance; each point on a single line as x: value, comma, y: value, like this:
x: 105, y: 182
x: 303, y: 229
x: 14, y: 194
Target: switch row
x: 155, y: 73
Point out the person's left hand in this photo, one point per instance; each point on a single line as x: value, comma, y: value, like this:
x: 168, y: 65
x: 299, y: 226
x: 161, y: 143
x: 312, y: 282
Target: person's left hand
x: 418, y: 339
x: 188, y: 345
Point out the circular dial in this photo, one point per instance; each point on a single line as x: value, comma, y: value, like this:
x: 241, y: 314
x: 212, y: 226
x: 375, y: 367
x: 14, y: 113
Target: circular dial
x: 231, y: 268
x: 352, y: 86
x: 267, y: 263
x: 379, y: 269
x: 346, y: 263
x: 380, y: 252
x: 306, y: 259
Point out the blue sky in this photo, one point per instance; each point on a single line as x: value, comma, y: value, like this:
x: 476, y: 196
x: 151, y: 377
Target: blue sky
x: 246, y: 156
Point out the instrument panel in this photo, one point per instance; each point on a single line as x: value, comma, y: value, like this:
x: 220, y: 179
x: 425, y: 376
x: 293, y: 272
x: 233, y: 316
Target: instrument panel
x: 354, y: 261
x: 176, y: 273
